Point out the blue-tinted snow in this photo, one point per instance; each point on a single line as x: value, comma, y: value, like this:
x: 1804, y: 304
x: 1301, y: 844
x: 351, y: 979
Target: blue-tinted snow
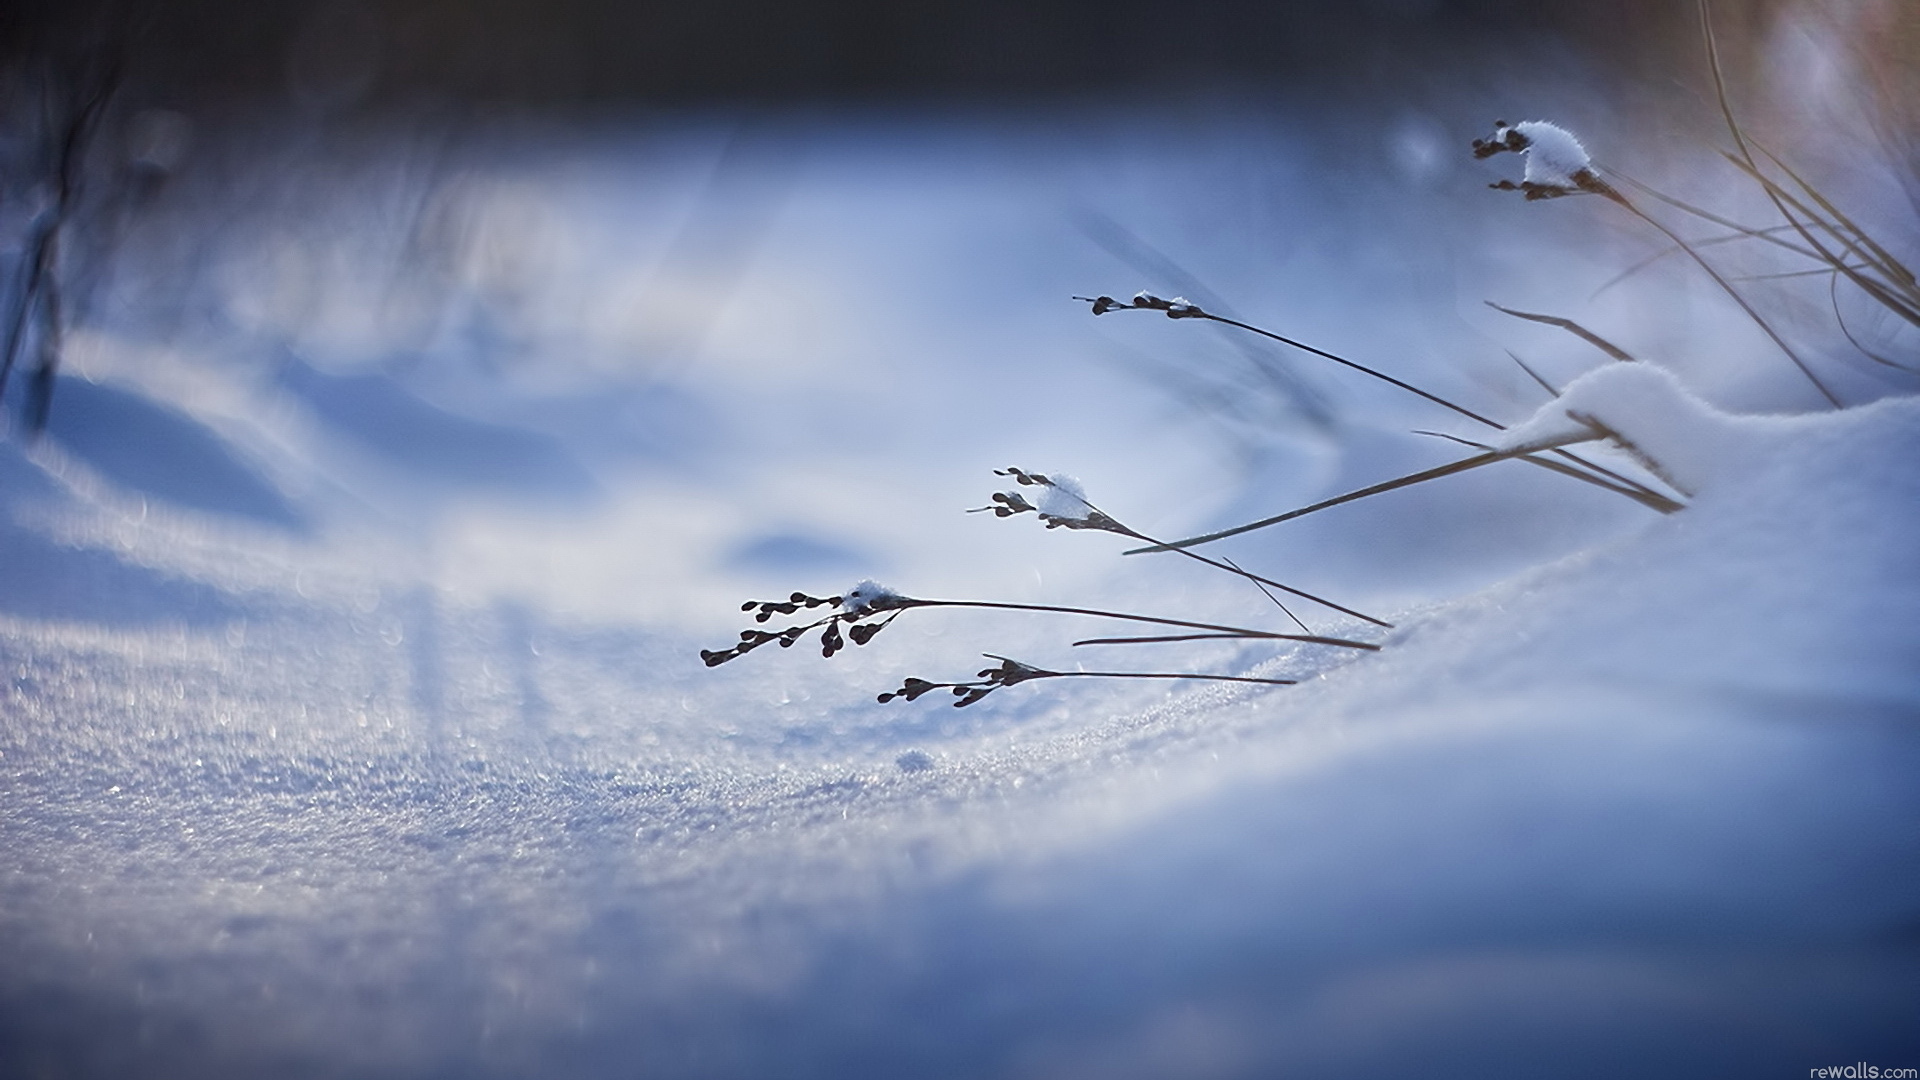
x: 436, y: 784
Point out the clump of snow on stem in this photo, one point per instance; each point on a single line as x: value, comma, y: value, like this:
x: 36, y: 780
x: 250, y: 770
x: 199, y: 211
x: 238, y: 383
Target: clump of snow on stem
x: 1642, y: 407
x: 1176, y: 307
x: 1064, y: 498
x: 867, y: 596
x: 1554, y: 155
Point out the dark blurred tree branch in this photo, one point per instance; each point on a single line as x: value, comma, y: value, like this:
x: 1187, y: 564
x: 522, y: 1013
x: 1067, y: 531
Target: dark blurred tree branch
x: 63, y: 96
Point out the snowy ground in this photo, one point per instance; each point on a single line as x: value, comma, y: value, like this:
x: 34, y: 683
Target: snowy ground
x: 355, y: 724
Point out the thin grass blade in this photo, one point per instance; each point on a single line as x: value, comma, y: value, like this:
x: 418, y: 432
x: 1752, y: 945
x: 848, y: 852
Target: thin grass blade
x: 1570, y: 327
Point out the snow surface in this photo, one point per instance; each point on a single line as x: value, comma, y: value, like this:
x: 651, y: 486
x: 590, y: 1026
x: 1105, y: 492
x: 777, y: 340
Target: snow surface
x: 376, y: 742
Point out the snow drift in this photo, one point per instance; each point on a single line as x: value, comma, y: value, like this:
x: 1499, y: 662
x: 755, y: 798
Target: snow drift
x: 283, y: 793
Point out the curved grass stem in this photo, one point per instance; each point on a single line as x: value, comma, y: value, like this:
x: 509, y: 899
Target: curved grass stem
x: 1240, y: 631
x: 1583, y: 470
x: 1463, y: 465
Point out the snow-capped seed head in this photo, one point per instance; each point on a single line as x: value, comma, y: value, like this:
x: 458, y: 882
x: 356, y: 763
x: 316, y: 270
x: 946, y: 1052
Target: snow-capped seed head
x: 1554, y: 155
x: 1063, y: 498
x: 1061, y: 502
x: 1177, y: 308
x: 868, y: 596
x: 1556, y: 163
x: 1503, y: 140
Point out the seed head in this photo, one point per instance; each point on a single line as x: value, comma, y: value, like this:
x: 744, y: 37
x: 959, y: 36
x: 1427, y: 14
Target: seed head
x: 1556, y: 162
x: 1061, y: 502
x: 1177, y: 308
x: 867, y: 597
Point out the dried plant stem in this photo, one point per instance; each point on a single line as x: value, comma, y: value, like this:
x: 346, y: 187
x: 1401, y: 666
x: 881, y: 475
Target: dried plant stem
x: 1238, y: 631
x: 1745, y: 232
x: 1883, y: 259
x: 1362, y: 368
x: 1856, y: 245
x: 1833, y: 297
x: 1012, y: 672
x: 1099, y: 520
x: 1463, y: 465
x: 1741, y: 234
x: 1637, y: 491
x: 1262, y: 582
x: 1570, y: 327
x: 1160, y: 675
x: 1859, y: 245
x: 1268, y: 593
x: 1880, y: 257
x: 1778, y: 196
x: 1552, y: 390
x: 1667, y: 507
x: 1727, y: 287
x: 1159, y: 639
x: 1785, y: 274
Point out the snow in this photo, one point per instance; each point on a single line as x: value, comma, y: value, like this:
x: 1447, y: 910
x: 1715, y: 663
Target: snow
x: 1556, y: 163
x: 1784, y: 574
x: 863, y: 596
x: 1554, y: 155
x: 377, y: 742
x: 1646, y: 410
x: 1064, y: 498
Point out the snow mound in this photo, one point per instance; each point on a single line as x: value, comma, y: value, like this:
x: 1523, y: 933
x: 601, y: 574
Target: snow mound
x: 1644, y: 408
x: 1792, y: 570
x: 1651, y: 803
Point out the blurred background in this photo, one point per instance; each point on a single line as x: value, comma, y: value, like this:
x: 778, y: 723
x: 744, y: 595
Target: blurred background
x: 401, y: 393
x: 628, y: 309
x: 588, y: 54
